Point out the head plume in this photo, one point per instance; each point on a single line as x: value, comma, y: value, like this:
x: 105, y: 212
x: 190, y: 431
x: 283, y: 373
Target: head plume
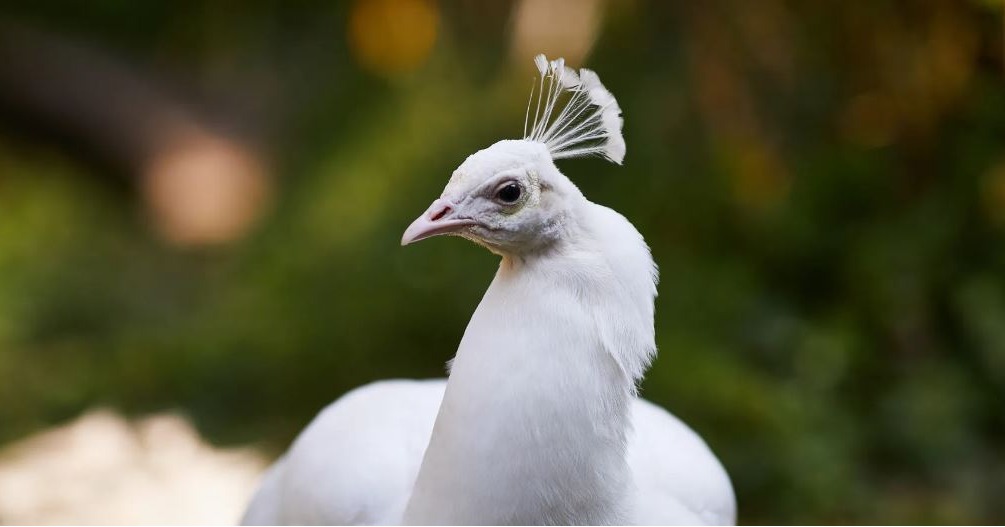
x: 588, y: 119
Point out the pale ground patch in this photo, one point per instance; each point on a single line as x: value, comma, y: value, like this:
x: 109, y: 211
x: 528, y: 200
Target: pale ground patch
x: 104, y: 469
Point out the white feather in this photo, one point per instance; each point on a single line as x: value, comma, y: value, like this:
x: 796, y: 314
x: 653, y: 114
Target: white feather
x: 539, y: 422
x: 589, y: 120
x: 542, y: 63
x: 356, y: 462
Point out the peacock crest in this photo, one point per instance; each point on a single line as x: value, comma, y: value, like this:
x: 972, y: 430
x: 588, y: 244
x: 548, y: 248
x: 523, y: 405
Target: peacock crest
x: 574, y: 114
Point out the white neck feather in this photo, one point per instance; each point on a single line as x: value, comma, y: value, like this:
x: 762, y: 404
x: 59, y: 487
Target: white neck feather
x: 534, y: 422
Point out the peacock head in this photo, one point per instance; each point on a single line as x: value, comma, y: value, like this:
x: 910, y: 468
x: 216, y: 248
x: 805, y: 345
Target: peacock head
x: 510, y: 197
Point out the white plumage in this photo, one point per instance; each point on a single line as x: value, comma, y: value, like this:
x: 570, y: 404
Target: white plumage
x: 589, y: 121
x: 539, y: 422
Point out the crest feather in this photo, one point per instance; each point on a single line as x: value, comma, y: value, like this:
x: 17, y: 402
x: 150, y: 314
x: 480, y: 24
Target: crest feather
x: 588, y: 119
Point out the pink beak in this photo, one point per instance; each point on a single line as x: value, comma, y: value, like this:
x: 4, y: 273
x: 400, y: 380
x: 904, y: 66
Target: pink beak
x: 438, y: 219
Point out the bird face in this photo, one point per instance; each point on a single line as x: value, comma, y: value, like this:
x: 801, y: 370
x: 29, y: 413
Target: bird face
x: 509, y: 197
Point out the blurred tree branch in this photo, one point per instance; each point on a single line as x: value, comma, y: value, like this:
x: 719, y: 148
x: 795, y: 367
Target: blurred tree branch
x: 201, y: 185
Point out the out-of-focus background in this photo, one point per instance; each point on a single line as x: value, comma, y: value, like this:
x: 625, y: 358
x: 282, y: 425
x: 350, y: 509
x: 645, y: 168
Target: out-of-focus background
x: 201, y: 203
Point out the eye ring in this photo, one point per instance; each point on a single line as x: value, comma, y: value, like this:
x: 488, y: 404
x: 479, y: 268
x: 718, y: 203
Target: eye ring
x: 509, y: 192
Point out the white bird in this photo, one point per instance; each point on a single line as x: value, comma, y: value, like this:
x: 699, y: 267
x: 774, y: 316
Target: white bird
x: 539, y: 421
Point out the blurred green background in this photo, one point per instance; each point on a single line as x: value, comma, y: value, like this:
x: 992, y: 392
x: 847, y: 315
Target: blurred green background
x: 201, y: 204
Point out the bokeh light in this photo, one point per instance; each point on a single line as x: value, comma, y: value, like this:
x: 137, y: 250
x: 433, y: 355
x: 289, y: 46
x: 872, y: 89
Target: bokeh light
x: 206, y: 190
x: 392, y: 37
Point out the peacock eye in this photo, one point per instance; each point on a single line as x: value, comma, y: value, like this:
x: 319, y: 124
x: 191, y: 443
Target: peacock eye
x: 509, y: 193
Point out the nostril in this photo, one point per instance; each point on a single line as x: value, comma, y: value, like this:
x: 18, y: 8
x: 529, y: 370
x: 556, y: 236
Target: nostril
x: 441, y: 213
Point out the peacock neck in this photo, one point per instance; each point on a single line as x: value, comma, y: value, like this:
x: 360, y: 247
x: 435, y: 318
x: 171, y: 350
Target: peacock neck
x: 534, y: 422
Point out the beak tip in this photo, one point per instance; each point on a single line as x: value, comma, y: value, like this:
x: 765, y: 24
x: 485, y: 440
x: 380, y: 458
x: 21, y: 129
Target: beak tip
x: 433, y: 223
x: 410, y: 235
